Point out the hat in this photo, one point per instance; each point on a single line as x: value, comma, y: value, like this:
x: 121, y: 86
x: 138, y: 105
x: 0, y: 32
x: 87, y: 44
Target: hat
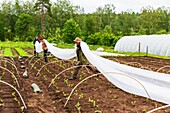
x: 41, y: 38
x: 77, y: 39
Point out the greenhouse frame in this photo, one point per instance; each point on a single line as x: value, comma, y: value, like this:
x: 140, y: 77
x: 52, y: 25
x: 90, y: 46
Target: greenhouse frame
x: 152, y: 44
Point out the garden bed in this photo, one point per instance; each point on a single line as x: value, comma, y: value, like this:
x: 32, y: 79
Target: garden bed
x: 95, y: 95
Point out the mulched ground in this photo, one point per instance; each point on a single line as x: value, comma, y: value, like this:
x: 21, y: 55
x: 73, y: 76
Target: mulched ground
x: 95, y: 95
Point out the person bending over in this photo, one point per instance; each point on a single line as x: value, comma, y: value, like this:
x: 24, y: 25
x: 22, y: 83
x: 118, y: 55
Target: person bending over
x: 82, y: 60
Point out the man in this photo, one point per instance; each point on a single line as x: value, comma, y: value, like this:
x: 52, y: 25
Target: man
x: 34, y: 41
x: 44, y: 47
x: 81, y: 59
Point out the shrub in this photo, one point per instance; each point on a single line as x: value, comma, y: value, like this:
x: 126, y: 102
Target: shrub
x: 105, y: 39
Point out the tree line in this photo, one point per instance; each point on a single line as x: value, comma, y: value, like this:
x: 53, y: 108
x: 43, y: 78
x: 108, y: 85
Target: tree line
x: 61, y: 22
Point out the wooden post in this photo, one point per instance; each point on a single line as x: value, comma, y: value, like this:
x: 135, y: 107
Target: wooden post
x: 139, y: 49
x: 146, y: 50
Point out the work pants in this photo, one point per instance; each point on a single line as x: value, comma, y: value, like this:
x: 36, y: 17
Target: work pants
x: 45, y: 55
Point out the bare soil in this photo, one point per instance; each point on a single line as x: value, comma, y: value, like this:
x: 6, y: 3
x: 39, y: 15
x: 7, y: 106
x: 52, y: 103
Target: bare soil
x: 95, y: 95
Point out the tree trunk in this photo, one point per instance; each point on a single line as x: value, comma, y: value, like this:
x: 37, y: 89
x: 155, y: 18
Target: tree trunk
x: 42, y: 20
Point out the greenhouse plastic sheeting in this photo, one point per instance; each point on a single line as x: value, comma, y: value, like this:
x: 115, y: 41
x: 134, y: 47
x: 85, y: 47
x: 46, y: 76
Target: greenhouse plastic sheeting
x: 141, y: 82
x: 157, y: 44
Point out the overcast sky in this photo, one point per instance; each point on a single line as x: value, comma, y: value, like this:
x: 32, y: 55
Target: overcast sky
x: 121, y: 5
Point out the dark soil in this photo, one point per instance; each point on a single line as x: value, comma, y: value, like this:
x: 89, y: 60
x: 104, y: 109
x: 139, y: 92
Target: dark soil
x: 95, y: 95
x: 149, y: 63
x: 15, y: 52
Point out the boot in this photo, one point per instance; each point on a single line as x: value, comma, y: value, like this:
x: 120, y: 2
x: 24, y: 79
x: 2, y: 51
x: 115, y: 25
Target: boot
x: 72, y: 78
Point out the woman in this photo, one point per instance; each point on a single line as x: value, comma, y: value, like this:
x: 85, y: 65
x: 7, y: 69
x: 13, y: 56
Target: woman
x: 44, y: 47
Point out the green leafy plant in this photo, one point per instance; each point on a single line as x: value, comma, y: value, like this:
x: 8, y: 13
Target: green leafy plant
x: 67, y: 83
x: 80, y: 78
x: 115, y: 96
x: 2, y: 102
x: 147, y: 100
x: 52, y: 81
x: 76, y: 92
x: 93, y: 102
x: 78, y: 107
x: 22, y: 52
x: 15, y: 98
x: 98, y: 111
x: 45, y: 77
x: 110, y: 91
x: 156, y: 105
x: 133, y: 103
x: 47, y: 69
x: 65, y: 94
x: 81, y: 95
x: 8, y: 52
x: 22, y: 109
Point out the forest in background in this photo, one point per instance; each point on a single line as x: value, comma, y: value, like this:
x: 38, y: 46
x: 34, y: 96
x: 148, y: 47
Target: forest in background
x: 61, y: 22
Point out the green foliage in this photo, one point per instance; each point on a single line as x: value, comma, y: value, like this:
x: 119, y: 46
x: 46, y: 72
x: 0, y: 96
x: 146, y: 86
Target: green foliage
x: 107, y: 39
x: 161, y: 32
x: 71, y: 31
x: 62, y: 11
x: 33, y: 18
x: 22, y: 26
x: 8, y: 52
x: 90, y: 25
x: 43, y: 3
x: 102, y: 39
x: 94, y: 38
x: 107, y: 29
x: 142, y: 31
x: 55, y: 38
x: 22, y: 52
x: 2, y: 31
x: 10, y: 44
x: 44, y: 6
x: 92, y: 47
x: 16, y: 39
x: 29, y: 39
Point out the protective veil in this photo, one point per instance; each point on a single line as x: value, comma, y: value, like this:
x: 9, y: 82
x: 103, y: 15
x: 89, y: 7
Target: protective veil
x: 141, y: 82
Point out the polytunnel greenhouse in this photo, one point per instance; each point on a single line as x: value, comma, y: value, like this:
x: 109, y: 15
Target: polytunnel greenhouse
x: 152, y: 44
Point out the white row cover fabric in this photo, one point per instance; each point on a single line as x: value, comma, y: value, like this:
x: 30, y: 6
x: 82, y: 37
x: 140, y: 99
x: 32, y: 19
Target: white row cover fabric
x: 157, y: 44
x: 141, y: 82
x: 57, y: 52
x: 67, y: 53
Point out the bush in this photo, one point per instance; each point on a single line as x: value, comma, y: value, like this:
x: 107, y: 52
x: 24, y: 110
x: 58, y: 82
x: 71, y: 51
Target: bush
x: 71, y: 30
x: 29, y: 39
x: 161, y: 32
x: 16, y: 39
x: 105, y: 39
x: 93, y: 38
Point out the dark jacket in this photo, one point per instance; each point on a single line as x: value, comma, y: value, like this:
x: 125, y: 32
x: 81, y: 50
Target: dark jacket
x: 35, y: 39
x: 80, y: 56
